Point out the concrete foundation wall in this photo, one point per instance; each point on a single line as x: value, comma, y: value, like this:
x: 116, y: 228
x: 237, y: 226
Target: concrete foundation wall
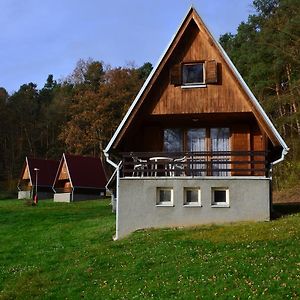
x: 62, y: 197
x: 24, y: 194
x: 137, y: 208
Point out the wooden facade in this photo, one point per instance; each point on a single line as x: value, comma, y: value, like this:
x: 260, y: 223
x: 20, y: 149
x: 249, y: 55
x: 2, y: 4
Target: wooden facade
x: 219, y: 99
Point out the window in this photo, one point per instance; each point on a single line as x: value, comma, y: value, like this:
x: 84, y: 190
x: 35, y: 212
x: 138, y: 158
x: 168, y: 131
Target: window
x: 164, y: 197
x: 193, y: 74
x: 220, y: 197
x: 196, y: 142
x: 192, y: 197
x: 173, y: 140
x: 220, y: 142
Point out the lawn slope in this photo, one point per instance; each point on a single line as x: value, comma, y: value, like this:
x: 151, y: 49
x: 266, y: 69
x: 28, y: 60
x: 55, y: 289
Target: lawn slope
x: 65, y: 251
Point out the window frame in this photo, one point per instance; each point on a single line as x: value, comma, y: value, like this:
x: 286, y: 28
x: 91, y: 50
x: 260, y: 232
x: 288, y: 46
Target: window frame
x: 220, y: 204
x: 160, y: 203
x: 192, y: 204
x: 193, y: 84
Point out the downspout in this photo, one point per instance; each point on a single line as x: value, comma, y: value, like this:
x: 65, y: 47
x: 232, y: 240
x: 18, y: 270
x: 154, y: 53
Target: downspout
x: 283, y: 153
x: 117, y: 168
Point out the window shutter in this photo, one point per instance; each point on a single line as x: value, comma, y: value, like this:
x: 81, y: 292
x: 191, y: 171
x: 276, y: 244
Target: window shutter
x: 211, y: 73
x: 175, y: 75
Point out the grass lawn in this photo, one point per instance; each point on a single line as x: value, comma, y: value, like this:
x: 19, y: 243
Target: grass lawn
x: 65, y: 251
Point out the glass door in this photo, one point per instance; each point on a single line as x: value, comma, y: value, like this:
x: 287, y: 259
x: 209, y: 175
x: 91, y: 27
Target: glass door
x: 220, y: 143
x: 196, y: 142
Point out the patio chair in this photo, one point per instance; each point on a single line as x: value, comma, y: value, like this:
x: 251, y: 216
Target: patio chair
x: 139, y: 166
x: 179, y: 166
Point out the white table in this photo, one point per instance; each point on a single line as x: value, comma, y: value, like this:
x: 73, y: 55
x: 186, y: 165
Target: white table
x: 161, y: 160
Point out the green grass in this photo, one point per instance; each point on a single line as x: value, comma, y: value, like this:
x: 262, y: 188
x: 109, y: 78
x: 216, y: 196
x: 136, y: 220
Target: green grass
x: 65, y: 251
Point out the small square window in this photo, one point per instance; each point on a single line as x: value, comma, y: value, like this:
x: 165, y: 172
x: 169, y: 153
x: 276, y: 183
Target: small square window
x: 193, y: 74
x: 164, y: 197
x: 220, y: 197
x: 192, y: 197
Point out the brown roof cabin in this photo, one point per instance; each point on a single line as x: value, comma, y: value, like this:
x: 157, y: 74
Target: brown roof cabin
x: 195, y: 146
x: 45, y: 177
x: 79, y: 178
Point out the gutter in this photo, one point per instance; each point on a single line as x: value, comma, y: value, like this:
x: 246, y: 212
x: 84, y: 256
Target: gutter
x: 117, y: 171
x: 283, y: 153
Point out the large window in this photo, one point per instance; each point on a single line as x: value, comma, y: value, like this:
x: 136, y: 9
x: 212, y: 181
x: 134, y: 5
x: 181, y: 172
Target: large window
x: 193, y: 74
x: 210, y: 147
x: 173, y: 140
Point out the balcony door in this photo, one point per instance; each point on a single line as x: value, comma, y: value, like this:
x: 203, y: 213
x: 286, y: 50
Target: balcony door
x: 220, y: 142
x: 210, y: 141
x: 197, y: 142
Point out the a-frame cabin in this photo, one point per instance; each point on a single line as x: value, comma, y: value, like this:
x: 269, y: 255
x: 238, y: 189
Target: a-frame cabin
x: 79, y: 178
x: 45, y: 171
x: 195, y: 146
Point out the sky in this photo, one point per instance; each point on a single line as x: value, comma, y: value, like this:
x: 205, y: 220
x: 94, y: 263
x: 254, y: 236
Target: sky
x: 42, y: 37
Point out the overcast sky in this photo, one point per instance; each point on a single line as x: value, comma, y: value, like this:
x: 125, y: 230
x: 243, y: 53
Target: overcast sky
x: 41, y: 37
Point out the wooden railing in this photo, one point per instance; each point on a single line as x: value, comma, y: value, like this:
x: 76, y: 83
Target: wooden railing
x: 206, y: 163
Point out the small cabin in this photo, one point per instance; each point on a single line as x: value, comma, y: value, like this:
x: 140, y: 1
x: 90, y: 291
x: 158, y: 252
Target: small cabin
x: 28, y: 183
x: 79, y: 178
x: 195, y: 146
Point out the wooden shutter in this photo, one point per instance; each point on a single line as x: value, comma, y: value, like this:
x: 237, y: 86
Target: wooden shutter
x: 175, y: 75
x: 211, y: 72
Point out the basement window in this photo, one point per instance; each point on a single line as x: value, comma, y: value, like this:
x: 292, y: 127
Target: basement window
x: 220, y: 197
x: 192, y: 197
x: 193, y: 74
x: 164, y: 197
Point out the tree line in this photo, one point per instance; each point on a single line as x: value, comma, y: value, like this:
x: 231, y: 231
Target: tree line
x: 76, y: 115
x: 80, y: 113
x: 266, y: 51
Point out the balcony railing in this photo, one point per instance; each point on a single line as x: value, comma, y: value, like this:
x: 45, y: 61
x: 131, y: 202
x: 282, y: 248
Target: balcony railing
x: 205, y: 163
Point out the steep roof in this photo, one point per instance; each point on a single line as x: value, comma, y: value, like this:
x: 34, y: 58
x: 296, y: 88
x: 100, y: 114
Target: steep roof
x: 46, y: 173
x: 257, y: 110
x: 84, y: 172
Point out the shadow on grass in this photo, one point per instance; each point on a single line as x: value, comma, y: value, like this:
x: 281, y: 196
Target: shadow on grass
x: 280, y: 210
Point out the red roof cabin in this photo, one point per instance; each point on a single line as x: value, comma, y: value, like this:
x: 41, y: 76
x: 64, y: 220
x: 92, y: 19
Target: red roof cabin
x: 28, y: 182
x: 79, y: 178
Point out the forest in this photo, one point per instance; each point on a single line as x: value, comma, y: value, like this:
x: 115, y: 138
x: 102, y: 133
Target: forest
x: 78, y: 114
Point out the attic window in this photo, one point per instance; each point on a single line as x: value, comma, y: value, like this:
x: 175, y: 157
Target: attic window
x: 193, y: 74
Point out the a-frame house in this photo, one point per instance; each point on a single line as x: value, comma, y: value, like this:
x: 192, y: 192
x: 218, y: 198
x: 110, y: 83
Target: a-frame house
x: 195, y: 146
x: 45, y: 169
x: 79, y: 178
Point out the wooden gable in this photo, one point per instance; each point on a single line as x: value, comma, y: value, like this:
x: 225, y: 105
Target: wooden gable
x: 63, y: 174
x: 25, y: 175
x: 223, y: 91
x: 223, y: 96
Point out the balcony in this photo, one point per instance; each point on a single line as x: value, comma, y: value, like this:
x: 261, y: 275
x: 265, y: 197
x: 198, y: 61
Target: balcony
x: 195, y: 164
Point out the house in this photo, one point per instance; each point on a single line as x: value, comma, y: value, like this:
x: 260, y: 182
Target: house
x: 195, y: 146
x: 45, y: 171
x: 79, y: 178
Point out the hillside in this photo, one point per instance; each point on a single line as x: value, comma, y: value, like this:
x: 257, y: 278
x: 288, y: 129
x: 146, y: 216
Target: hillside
x: 65, y: 251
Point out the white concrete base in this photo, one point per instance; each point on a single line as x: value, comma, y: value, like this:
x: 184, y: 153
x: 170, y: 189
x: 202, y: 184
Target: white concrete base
x: 249, y: 200
x: 24, y: 195
x: 62, y: 197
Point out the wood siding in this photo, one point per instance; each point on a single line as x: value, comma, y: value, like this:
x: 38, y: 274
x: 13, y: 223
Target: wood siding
x: 226, y: 96
x: 63, y: 172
